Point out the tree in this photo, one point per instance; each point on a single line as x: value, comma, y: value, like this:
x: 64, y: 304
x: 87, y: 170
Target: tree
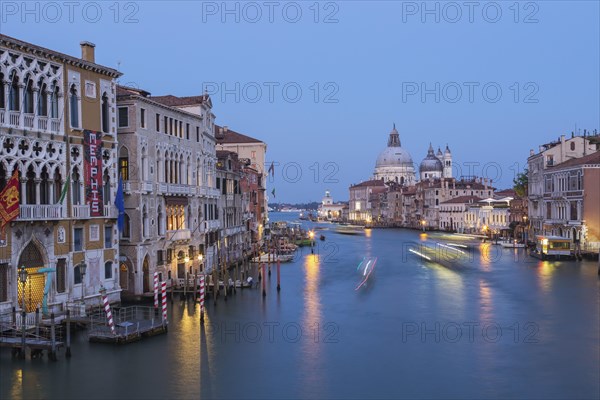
x: 521, y: 183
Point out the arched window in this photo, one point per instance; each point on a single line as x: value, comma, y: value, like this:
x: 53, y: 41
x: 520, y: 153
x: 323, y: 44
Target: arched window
x: 145, y: 232
x: 108, y: 270
x: 45, y: 187
x: 28, y: 96
x: 126, y: 232
x: 74, y: 107
x: 14, y: 98
x: 105, y: 113
x: 58, y: 187
x: 124, y: 163
x: 42, y: 101
x: 106, y: 195
x: 54, y: 101
x: 76, y: 187
x: 30, y: 186
x: 161, y: 221
x: 2, y: 105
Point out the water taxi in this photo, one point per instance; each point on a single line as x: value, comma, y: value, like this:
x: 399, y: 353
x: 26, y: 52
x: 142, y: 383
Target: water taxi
x: 552, y: 247
x: 512, y: 244
x: 347, y: 229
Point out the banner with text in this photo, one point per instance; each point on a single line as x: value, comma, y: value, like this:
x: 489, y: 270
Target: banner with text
x: 92, y: 147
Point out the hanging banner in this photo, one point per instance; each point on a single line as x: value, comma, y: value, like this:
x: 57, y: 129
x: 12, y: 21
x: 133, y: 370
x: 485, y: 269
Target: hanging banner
x: 92, y: 147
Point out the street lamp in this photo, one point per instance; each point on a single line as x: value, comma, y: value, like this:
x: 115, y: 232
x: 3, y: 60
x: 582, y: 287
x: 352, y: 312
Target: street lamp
x: 82, y: 271
x: 23, y: 279
x: 423, y: 224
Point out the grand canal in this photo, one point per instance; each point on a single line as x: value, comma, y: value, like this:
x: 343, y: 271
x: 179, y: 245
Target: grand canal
x: 501, y: 325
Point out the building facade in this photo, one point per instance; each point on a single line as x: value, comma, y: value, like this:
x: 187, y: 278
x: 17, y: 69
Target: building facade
x: 329, y: 210
x: 549, y: 154
x: 167, y: 163
x: 57, y: 129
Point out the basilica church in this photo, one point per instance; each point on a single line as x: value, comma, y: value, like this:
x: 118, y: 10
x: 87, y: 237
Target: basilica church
x: 395, y: 164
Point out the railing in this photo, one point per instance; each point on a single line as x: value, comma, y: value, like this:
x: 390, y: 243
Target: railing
x: 14, y: 118
x: 43, y: 211
x: 81, y: 212
x: 110, y: 211
x: 147, y: 187
x: 181, y: 234
x: 42, y: 123
x: 54, y: 125
x: 28, y: 121
x: 163, y: 187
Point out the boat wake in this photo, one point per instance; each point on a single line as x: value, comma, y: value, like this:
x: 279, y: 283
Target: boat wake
x: 366, y: 267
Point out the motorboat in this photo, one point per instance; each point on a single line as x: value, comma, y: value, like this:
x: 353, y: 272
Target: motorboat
x: 366, y: 267
x: 512, y: 244
x: 270, y: 257
x: 347, y: 229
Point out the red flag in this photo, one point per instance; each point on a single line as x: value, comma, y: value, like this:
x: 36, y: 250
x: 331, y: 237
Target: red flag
x: 9, y: 200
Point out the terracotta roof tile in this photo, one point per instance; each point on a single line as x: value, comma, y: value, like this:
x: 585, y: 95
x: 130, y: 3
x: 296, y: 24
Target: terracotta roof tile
x: 228, y: 136
x: 593, y: 158
x: 174, y: 101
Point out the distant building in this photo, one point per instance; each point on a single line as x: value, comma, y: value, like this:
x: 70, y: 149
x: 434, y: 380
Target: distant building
x: 252, y: 149
x: 395, y: 164
x: 453, y: 214
x: 361, y: 196
x: 328, y: 210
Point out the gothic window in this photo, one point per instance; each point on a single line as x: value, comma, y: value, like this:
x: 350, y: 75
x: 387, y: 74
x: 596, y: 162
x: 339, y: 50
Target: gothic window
x: 30, y: 186
x: 2, y: 105
x: 54, y: 101
x: 106, y: 187
x: 13, y: 98
x: 126, y: 233
x: 42, y: 101
x: 108, y: 270
x: 76, y: 186
x: 105, y: 114
x: 28, y: 97
x: 124, y: 163
x: 45, y: 187
x: 74, y: 107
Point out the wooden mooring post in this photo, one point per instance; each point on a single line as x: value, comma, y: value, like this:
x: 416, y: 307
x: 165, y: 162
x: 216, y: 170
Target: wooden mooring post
x: 68, y: 353
x: 52, y: 351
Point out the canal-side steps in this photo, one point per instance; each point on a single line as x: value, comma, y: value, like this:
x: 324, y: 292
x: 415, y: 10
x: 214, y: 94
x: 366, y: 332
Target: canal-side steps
x: 130, y: 324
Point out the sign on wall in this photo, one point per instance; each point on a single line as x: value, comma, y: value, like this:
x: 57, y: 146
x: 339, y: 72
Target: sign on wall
x: 92, y: 147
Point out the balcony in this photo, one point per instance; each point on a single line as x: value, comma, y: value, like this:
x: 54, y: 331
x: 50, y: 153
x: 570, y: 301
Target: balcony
x: 81, y: 212
x: 181, y: 234
x: 12, y: 119
x: 110, y: 211
x: 147, y: 187
x: 41, y: 212
x: 176, y: 188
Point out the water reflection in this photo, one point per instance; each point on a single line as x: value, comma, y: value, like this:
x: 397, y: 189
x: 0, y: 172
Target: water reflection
x: 17, y: 386
x: 486, y: 306
x: 545, y: 272
x: 312, y: 324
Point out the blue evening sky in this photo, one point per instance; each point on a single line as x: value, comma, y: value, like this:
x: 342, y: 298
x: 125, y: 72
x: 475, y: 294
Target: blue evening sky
x: 374, y: 58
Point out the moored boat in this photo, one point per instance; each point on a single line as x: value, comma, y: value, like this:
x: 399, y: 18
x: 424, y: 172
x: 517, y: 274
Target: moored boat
x: 347, y: 229
x: 270, y: 257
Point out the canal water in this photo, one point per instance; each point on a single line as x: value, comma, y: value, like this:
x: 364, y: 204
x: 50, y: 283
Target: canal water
x: 496, y: 325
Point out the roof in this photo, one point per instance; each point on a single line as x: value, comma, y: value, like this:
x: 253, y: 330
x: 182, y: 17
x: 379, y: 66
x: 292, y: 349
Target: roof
x: 463, y: 200
x: 130, y: 91
x: 593, y: 158
x: 373, y: 182
x: 174, y: 101
x: 505, y: 193
x: 224, y: 135
x: 21, y: 45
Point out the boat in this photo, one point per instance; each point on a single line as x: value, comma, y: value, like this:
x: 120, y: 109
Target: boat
x: 347, y: 229
x: 554, y: 247
x: 270, y: 257
x: 512, y: 244
x: 248, y: 283
x: 366, y: 267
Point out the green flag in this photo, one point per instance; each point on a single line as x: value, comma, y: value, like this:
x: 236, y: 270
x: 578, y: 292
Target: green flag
x: 273, y: 192
x: 63, y: 192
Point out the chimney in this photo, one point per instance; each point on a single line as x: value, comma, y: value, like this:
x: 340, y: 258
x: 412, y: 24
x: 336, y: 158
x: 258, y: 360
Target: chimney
x: 225, y: 128
x: 87, y: 51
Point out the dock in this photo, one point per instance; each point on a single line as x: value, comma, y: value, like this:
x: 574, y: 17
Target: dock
x: 130, y: 325
x: 20, y: 335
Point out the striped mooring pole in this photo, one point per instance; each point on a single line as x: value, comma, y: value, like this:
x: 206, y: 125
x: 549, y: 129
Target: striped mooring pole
x: 156, y: 290
x: 164, y: 302
x: 201, y: 295
x: 109, y: 317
